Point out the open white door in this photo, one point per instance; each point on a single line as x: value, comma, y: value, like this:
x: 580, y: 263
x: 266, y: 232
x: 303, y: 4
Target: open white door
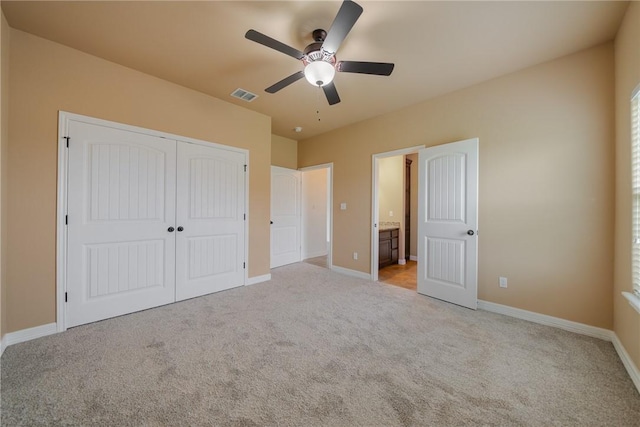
x: 447, y: 222
x: 210, y: 213
x: 285, y: 216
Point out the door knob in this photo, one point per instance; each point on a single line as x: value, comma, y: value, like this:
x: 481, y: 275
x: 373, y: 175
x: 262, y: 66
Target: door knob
x: 469, y: 232
x: 181, y: 228
x: 170, y: 229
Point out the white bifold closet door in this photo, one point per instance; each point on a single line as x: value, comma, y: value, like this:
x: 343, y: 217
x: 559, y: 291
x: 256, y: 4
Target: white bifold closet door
x: 129, y: 194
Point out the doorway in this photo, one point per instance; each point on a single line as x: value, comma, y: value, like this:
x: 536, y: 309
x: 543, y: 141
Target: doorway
x: 301, y: 215
x: 317, y: 214
x: 398, y: 188
x: 447, y: 220
x: 389, y: 209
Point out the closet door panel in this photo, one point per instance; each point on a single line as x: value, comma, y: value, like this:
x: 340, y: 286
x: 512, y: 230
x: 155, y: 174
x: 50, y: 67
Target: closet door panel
x: 121, y: 202
x: 209, y: 219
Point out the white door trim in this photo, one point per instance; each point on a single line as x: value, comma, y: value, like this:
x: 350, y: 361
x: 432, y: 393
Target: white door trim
x: 375, y: 158
x: 329, y: 202
x: 61, y: 230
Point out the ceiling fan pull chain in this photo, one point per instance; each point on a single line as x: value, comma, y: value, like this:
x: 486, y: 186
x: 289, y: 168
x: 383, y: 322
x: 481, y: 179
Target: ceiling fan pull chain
x: 318, y: 102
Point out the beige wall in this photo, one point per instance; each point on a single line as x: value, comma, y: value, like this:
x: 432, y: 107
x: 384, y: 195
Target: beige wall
x: 284, y: 152
x: 48, y: 77
x: 627, y: 50
x: 391, y: 189
x: 4, y: 169
x: 391, y: 194
x: 546, y: 181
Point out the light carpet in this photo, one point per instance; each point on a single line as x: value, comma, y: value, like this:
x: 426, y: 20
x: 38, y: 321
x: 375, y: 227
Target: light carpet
x: 313, y: 347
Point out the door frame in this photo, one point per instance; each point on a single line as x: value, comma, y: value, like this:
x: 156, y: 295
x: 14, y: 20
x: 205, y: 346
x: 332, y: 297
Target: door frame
x: 328, y: 166
x: 375, y: 168
x: 62, y: 195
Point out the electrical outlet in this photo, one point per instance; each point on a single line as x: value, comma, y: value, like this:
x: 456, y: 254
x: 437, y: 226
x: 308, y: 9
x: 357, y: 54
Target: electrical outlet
x: 503, y: 282
x: 355, y: 255
x: 390, y: 213
x: 343, y: 206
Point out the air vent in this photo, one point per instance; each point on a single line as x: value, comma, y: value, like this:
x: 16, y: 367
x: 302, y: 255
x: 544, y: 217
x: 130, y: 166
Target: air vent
x: 244, y: 95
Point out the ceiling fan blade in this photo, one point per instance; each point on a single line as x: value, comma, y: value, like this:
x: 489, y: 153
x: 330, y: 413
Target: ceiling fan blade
x: 331, y: 93
x: 345, y: 19
x: 285, y: 82
x: 257, y: 37
x: 377, y: 68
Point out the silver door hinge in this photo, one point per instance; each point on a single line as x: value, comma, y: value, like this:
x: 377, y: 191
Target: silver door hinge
x: 244, y: 265
x: 245, y: 168
x: 66, y: 220
x: 67, y: 138
x: 65, y: 297
x: 245, y: 217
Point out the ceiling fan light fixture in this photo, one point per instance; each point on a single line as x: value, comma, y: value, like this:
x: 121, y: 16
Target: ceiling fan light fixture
x: 319, y: 57
x: 319, y: 73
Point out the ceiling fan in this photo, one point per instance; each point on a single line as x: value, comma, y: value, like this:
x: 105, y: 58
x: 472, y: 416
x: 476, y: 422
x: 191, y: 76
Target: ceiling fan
x: 319, y: 58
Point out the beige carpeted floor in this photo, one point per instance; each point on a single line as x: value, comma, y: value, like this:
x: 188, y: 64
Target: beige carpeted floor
x: 312, y: 347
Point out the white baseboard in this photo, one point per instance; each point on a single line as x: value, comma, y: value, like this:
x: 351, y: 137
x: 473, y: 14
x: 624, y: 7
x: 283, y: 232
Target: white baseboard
x: 568, y: 325
x: 258, y: 279
x: 28, y: 334
x: 631, y: 368
x: 413, y: 258
x: 3, y: 345
x: 543, y: 319
x: 402, y: 261
x: 349, y: 272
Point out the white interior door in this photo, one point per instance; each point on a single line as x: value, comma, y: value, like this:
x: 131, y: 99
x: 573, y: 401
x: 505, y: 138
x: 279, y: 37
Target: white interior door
x: 121, y: 203
x: 447, y: 222
x: 210, y: 220
x: 285, y: 216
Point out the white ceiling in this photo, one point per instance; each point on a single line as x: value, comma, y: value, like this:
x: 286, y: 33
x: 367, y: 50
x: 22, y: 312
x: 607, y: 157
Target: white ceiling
x: 438, y: 47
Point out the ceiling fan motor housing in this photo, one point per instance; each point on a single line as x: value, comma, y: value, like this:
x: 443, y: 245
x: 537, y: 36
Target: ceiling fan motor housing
x: 314, y: 52
x: 319, y: 35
